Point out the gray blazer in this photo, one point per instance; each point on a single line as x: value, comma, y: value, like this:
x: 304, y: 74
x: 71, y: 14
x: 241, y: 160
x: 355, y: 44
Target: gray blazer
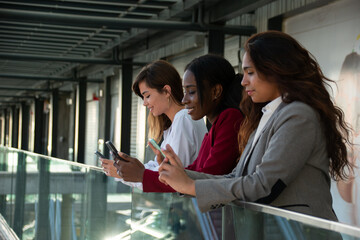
x: 288, y: 167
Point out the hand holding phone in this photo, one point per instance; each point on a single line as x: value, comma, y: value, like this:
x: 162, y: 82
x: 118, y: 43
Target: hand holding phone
x: 152, y: 141
x: 99, y: 154
x: 114, y: 152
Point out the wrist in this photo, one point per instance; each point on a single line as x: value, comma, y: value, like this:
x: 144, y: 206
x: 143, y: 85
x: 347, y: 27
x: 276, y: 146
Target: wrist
x: 141, y: 177
x: 191, y: 188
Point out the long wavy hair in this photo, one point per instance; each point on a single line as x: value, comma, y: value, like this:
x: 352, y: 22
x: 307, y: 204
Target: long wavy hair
x: 156, y: 75
x: 283, y: 60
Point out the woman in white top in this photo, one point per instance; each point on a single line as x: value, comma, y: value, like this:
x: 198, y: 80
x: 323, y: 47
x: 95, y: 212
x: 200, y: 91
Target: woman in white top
x: 160, y: 86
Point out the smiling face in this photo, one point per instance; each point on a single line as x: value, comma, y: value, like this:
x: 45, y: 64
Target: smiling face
x: 256, y: 85
x: 192, y: 99
x: 157, y: 102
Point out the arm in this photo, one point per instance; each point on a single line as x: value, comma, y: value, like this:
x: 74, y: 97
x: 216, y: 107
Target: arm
x: 199, y: 175
x: 181, y: 180
x: 151, y: 165
x: 181, y: 140
x: 153, y: 184
x: 290, y: 143
x: 221, y: 156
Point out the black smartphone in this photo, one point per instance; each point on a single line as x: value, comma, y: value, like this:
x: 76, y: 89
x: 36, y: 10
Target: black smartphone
x: 114, y: 151
x: 99, y: 154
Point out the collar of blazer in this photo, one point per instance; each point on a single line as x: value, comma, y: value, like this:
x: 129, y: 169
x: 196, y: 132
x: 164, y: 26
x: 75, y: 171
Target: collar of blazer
x: 246, y: 155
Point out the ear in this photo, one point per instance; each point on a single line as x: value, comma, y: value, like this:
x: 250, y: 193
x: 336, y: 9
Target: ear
x: 167, y: 90
x: 217, y: 91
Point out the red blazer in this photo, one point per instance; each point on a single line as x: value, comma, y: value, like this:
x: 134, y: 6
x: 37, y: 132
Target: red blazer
x: 218, y: 153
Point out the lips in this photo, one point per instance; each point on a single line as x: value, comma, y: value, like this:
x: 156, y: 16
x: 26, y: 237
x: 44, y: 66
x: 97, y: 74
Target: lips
x: 190, y: 110
x: 250, y: 92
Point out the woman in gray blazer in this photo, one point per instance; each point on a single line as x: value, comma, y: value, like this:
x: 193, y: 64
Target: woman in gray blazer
x: 292, y: 141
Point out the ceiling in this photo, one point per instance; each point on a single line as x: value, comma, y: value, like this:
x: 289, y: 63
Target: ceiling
x: 45, y: 44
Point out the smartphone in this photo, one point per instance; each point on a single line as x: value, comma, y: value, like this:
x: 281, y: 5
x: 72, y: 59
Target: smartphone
x: 152, y: 141
x: 99, y: 154
x: 114, y: 151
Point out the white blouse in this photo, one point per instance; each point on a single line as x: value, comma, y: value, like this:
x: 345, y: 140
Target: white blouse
x: 268, y: 111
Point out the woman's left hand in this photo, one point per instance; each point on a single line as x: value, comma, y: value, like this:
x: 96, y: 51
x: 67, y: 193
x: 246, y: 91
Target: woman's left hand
x: 130, y: 171
x: 159, y: 156
x: 108, y: 167
x: 172, y: 173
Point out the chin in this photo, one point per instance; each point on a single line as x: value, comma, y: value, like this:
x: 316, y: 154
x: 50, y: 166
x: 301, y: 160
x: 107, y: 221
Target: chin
x: 195, y: 118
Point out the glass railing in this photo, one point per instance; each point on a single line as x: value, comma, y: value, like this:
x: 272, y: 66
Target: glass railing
x: 48, y: 198
x: 164, y: 216
x: 167, y: 216
x: 257, y: 221
x: 45, y: 198
x: 6, y: 233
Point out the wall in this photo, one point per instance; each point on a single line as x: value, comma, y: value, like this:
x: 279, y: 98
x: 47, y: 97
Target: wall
x: 331, y: 34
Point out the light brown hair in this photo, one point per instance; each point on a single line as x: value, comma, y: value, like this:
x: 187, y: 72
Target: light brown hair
x: 156, y: 75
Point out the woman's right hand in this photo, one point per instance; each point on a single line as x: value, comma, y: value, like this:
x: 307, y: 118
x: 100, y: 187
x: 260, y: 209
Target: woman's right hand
x: 173, y: 174
x: 109, y: 168
x: 131, y: 170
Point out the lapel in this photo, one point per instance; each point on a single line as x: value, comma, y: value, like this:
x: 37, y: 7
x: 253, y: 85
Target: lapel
x: 249, y: 149
x: 244, y: 155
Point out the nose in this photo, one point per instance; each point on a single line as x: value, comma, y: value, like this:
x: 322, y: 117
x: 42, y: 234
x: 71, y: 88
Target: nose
x: 244, y: 81
x: 184, y: 99
x: 145, y: 103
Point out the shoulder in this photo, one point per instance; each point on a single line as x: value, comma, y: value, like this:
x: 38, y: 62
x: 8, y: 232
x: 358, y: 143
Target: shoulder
x: 229, y: 115
x: 299, y: 110
x: 182, y: 118
x: 181, y: 114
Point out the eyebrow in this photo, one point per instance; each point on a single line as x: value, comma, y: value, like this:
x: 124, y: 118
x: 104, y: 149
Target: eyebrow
x: 189, y: 86
x: 144, y: 92
x: 246, y: 67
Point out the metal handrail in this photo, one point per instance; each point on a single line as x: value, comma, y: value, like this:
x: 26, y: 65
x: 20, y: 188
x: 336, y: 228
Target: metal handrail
x: 76, y: 164
x: 6, y: 233
x: 303, y: 218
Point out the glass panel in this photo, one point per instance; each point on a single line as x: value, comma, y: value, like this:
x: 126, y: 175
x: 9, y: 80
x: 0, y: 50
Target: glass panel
x: 48, y: 198
x: 52, y: 199
x: 163, y: 216
x: 252, y: 225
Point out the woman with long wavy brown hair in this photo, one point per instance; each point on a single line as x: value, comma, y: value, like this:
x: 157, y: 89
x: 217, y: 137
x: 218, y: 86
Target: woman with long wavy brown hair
x: 299, y: 78
x: 292, y: 141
